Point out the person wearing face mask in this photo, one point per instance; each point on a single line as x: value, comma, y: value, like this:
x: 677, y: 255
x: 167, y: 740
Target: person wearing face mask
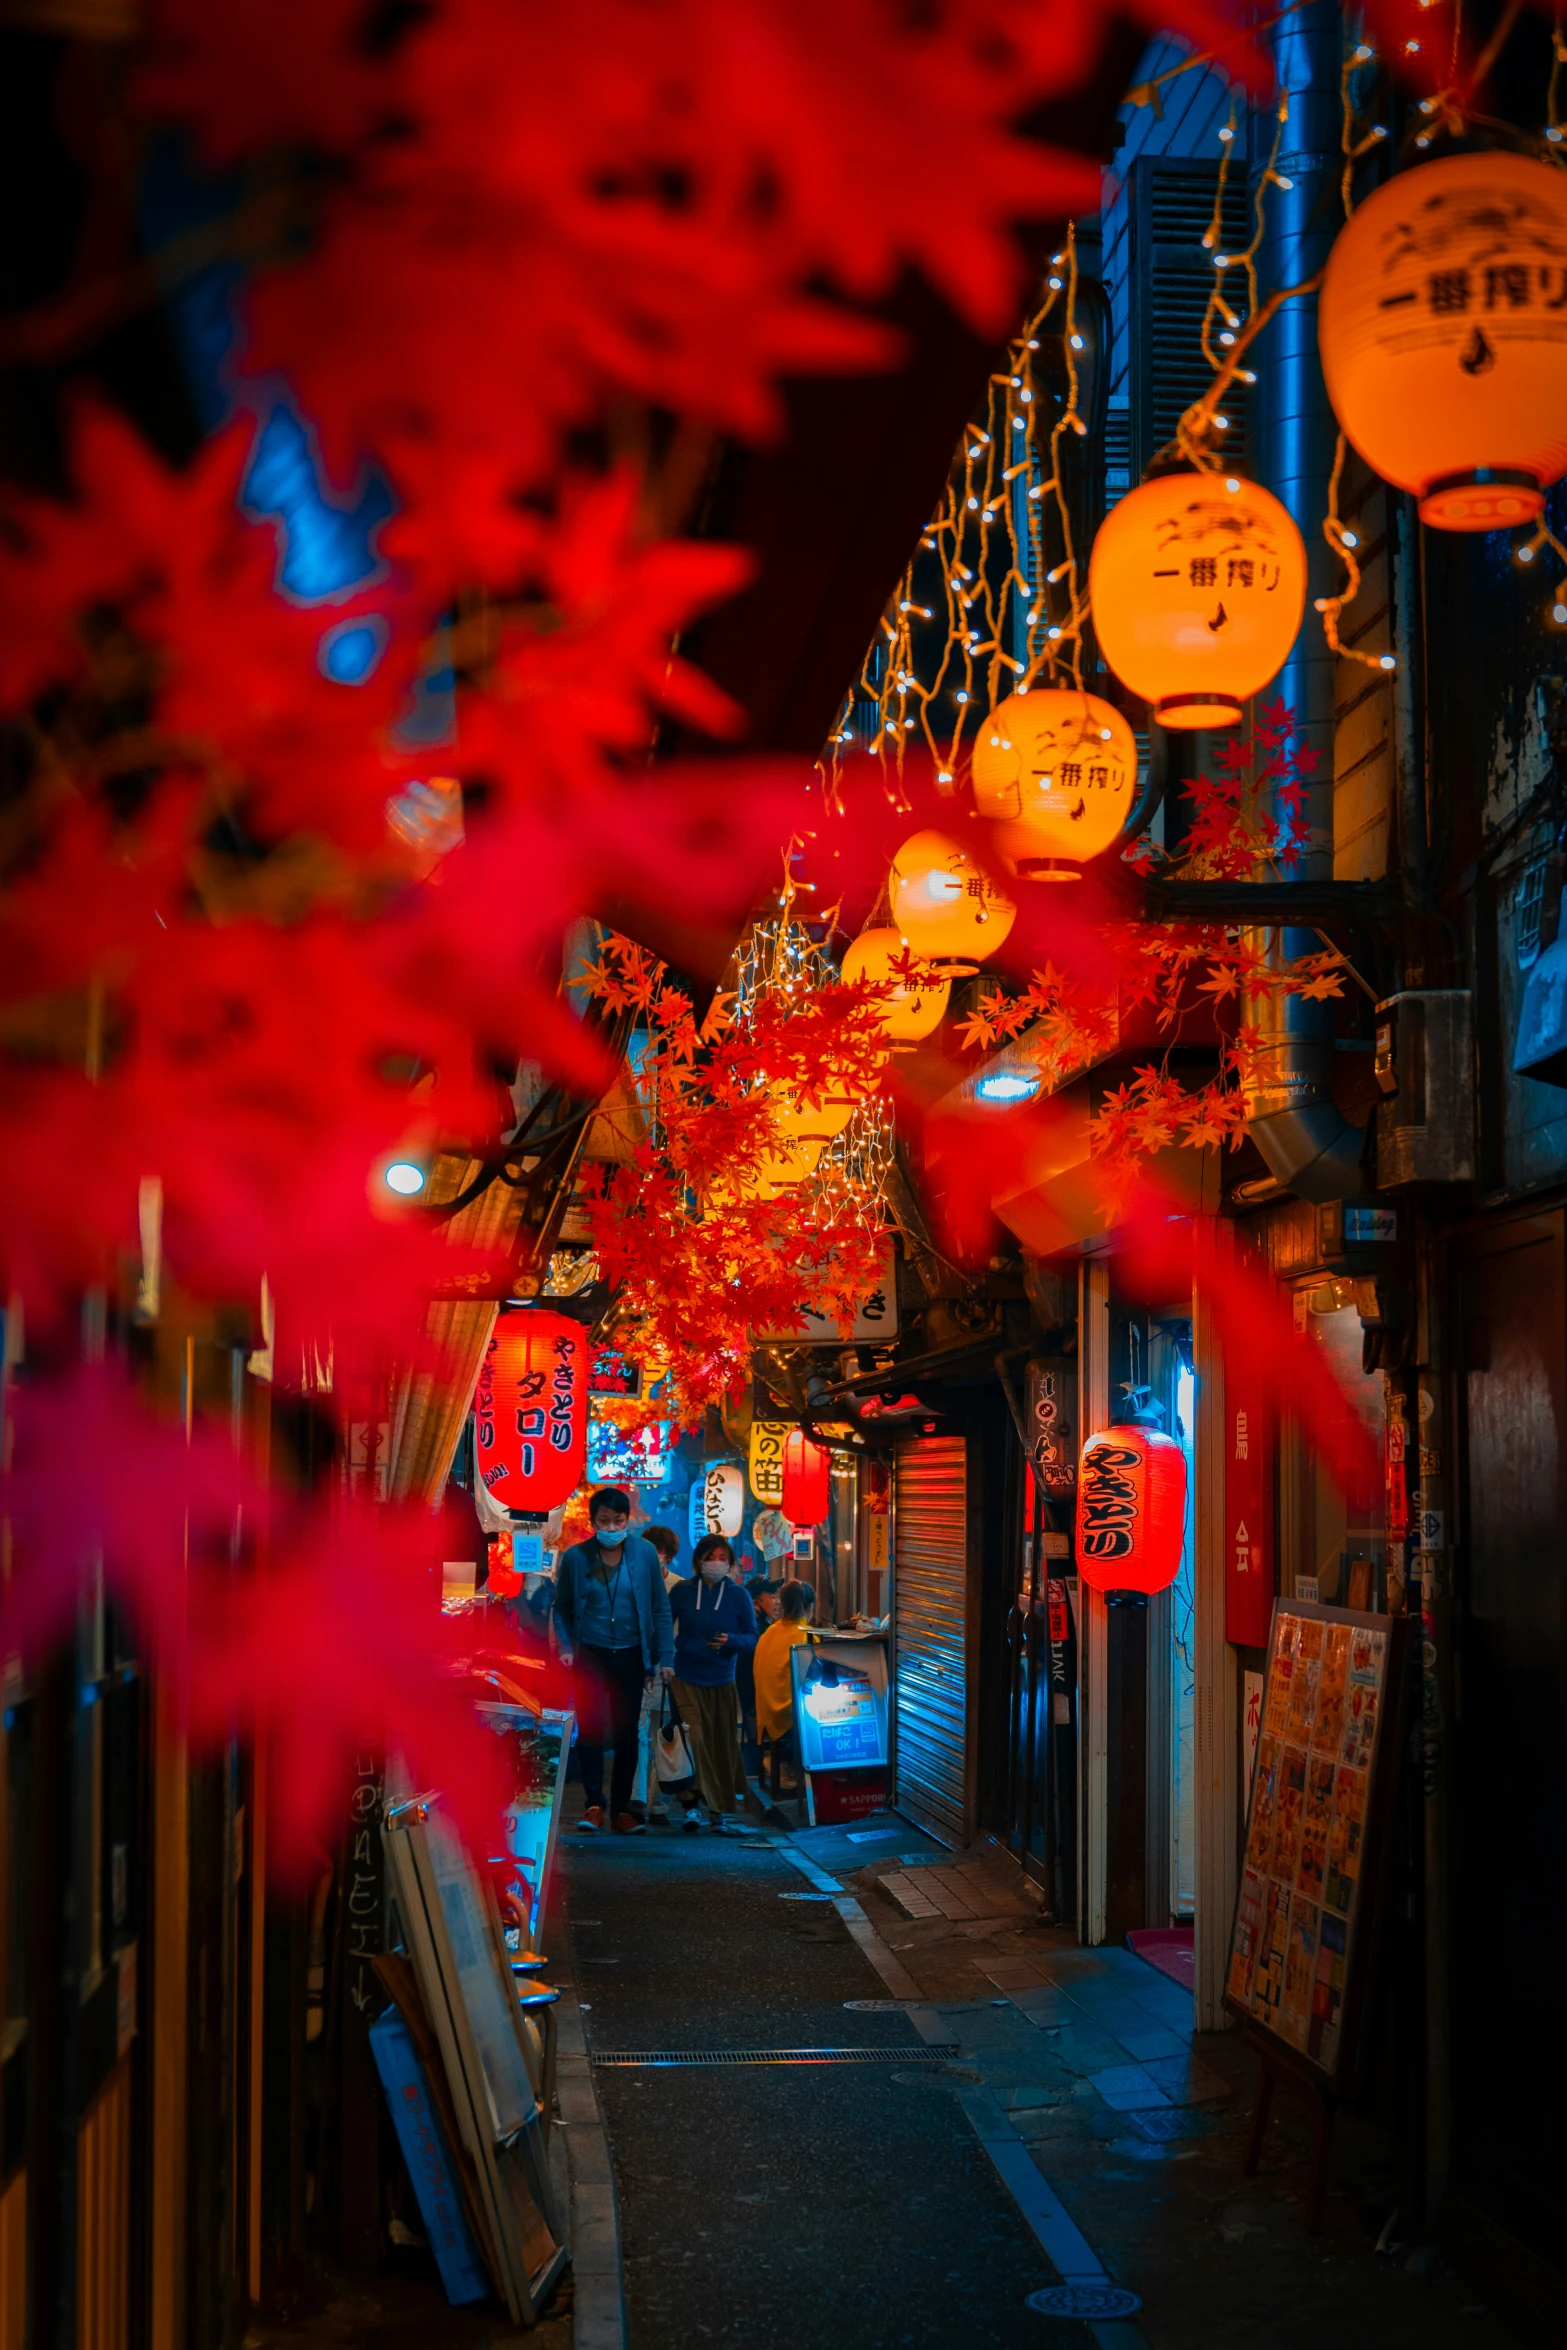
x: 612, y: 1621
x: 715, y: 1624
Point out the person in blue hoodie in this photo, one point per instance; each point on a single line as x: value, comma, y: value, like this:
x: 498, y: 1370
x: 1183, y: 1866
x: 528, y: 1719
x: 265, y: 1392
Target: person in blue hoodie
x: 715, y: 1624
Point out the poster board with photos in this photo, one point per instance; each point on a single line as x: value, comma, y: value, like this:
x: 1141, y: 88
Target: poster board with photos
x: 1306, y: 1917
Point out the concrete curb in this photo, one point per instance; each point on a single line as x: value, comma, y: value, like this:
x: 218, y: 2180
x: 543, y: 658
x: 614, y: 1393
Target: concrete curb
x: 598, y: 2309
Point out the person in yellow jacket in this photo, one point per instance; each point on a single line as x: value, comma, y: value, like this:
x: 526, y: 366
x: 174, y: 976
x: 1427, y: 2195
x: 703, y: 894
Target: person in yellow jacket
x: 774, y: 1680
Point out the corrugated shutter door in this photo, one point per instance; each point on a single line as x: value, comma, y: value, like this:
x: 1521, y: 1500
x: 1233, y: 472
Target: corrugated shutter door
x: 930, y: 1574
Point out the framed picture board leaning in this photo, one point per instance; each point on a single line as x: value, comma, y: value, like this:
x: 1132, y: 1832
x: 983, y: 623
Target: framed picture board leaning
x: 1308, y: 1916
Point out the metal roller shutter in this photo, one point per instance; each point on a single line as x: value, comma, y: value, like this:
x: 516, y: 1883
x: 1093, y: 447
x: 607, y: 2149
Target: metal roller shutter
x: 929, y: 1586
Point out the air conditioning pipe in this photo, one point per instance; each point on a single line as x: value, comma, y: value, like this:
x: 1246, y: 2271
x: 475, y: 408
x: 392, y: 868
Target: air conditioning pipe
x: 1307, y: 1142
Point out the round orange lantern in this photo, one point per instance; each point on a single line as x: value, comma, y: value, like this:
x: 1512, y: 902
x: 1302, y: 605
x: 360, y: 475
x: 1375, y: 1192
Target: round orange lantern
x: 1060, y: 769
x: 909, y: 1008
x: 807, y: 1480
x: 1198, y: 584
x: 1131, y: 1508
x: 945, y: 905
x: 530, y: 1411
x: 1443, y: 328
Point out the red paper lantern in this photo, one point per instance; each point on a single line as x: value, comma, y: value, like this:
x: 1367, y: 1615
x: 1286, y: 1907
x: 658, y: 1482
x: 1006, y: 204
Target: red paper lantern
x: 807, y: 1475
x: 1131, y: 1509
x: 530, y: 1411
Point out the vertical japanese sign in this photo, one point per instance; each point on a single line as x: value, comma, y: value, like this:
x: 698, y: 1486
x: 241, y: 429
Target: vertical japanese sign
x: 1248, y: 1515
x: 1052, y: 1441
x: 767, y: 1457
x: 364, y: 1891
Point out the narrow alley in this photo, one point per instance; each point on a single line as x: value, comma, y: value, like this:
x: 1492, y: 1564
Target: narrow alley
x: 827, y: 2120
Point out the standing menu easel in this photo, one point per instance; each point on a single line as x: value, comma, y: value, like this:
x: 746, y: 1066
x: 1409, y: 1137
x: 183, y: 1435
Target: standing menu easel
x: 840, y: 1711
x: 1307, y: 1919
x: 454, y: 1939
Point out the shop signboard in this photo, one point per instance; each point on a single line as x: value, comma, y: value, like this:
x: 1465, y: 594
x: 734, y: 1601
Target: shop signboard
x: 840, y: 1712
x: 768, y: 1438
x: 875, y: 1317
x: 1322, y: 1788
x: 531, y: 1820
x: 614, y: 1374
x: 1248, y: 1512
x: 634, y: 1456
x: 1052, y: 1442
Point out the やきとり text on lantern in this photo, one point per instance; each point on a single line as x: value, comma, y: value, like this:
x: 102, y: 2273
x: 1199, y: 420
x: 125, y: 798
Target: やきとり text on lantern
x: 1198, y: 585
x: 1131, y: 1508
x: 530, y: 1411
x: 1443, y: 330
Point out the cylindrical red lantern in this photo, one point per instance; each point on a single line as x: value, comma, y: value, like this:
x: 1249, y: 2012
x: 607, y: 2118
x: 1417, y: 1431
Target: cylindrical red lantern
x: 807, y: 1480
x: 530, y: 1411
x: 1131, y: 1509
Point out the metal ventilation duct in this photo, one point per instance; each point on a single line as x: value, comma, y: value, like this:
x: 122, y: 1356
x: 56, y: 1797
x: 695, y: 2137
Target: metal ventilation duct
x: 1306, y: 1140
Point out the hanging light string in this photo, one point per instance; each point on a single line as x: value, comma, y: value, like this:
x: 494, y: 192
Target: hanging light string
x: 1005, y: 629
x: 1355, y: 141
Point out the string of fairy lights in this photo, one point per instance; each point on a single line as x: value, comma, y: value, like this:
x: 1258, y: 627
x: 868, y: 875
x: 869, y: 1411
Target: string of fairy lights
x: 1002, y: 627
x: 779, y: 958
x: 991, y: 629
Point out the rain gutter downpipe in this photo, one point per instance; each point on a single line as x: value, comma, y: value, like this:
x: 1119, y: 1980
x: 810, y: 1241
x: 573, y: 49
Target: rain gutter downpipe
x: 1307, y: 1142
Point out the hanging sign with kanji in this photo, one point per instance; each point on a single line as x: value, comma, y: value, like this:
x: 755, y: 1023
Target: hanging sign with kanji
x: 1248, y: 1515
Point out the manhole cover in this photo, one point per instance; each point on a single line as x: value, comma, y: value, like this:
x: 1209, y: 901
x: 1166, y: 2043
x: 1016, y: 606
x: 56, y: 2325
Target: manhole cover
x: 1084, y: 2301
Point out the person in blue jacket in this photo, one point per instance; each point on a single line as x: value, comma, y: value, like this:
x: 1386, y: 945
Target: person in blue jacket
x: 612, y: 1619
x: 715, y: 1624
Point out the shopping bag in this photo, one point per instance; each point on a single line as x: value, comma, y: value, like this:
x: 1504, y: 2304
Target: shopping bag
x: 672, y: 1749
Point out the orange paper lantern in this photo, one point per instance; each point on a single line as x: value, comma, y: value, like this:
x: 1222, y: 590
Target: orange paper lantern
x: 945, y: 905
x: 1198, y: 584
x: 1060, y: 770
x: 1443, y: 329
x: 530, y: 1411
x: 907, y: 1012
x: 807, y: 1480
x: 1131, y: 1509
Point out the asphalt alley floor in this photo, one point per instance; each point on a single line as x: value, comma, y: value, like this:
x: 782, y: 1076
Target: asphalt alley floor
x: 760, y: 2205
x: 767, y: 2204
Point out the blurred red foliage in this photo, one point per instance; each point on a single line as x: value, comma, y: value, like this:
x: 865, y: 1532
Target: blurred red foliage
x: 483, y: 225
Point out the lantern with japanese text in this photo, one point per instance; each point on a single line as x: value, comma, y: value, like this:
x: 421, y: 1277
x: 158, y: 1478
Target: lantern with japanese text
x: 1131, y: 1507
x: 910, y: 1007
x: 945, y: 905
x: 530, y: 1411
x: 1197, y: 583
x: 1060, y: 771
x: 807, y: 1480
x: 718, y: 1500
x: 1443, y: 328
x: 768, y: 1438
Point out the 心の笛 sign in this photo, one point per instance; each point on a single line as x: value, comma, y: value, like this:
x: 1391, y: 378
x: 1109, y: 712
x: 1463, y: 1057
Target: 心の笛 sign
x: 767, y: 1455
x: 875, y: 1317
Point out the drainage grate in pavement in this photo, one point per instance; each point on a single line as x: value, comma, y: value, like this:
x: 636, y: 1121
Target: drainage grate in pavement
x: 667, y: 2057
x: 1083, y: 2301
